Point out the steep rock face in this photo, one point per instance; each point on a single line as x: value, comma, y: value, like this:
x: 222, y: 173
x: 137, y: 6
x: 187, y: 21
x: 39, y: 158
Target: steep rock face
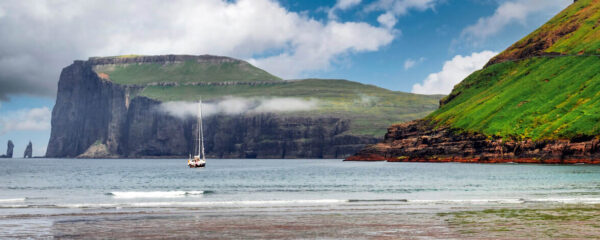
x: 152, y: 133
x: 96, y: 118
x: 420, y: 141
x: 87, y: 109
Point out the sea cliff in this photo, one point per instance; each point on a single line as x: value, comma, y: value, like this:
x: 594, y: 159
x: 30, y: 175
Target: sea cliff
x: 103, y: 113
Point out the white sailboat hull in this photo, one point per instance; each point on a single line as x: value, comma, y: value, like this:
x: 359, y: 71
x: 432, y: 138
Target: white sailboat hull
x: 200, y: 164
x: 199, y: 160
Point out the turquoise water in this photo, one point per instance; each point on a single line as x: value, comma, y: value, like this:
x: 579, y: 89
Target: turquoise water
x: 70, y: 185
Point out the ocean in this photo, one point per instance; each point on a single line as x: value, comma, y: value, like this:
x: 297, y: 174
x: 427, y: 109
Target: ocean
x: 54, y: 198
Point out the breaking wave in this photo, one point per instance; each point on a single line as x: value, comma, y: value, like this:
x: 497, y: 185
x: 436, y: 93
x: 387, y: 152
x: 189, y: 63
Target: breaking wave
x: 6, y: 200
x: 155, y: 194
x: 303, y: 202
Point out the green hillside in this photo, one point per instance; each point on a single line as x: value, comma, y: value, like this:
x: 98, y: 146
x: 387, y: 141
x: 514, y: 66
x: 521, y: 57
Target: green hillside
x: 537, y: 97
x: 372, y: 109
x: 574, y: 31
x: 185, y: 72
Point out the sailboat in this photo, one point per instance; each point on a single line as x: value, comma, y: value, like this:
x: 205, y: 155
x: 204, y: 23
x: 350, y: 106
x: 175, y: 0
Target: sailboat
x: 199, y: 159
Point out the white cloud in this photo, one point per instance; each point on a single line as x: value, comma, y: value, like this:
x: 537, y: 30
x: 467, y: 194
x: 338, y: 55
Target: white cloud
x: 410, y: 63
x: 401, y: 7
x: 345, y: 4
x: 453, y: 72
x: 57, y: 32
x: 515, y: 11
x: 341, y: 5
x: 387, y: 19
x: 318, y: 45
x: 35, y: 119
x: 235, y: 105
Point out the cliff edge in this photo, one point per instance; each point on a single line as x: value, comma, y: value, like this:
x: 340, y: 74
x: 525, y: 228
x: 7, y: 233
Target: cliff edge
x: 107, y: 107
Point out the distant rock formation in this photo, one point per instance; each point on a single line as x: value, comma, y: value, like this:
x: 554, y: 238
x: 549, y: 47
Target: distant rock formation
x: 9, y: 150
x: 28, y: 151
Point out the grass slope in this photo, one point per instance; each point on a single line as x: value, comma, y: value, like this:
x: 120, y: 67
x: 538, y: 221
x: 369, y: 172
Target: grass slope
x: 185, y: 72
x: 572, y: 31
x: 372, y: 108
x: 538, y: 98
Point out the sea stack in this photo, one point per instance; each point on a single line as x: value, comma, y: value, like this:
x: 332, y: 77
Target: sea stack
x: 9, y: 150
x: 28, y: 151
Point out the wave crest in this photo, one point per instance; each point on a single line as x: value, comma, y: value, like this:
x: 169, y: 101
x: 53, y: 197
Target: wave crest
x: 155, y: 194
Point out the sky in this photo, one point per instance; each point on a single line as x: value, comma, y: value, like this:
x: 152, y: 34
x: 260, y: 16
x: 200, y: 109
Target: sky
x: 419, y: 46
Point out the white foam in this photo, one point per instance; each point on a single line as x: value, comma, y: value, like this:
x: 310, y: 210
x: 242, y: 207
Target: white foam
x: 582, y: 200
x: 567, y: 200
x: 469, y: 201
x: 5, y: 200
x: 155, y: 194
x: 14, y: 206
x: 311, y: 202
x: 88, y: 205
x: 204, y: 203
x: 238, y: 203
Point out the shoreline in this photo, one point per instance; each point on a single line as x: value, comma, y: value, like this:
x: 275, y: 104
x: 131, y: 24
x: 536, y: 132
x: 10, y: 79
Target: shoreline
x: 379, y: 158
x: 360, y: 222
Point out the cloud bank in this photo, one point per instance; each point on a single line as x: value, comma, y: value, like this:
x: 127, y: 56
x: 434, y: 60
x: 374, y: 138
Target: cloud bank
x: 35, y: 119
x: 453, y: 72
x: 41, y: 37
x: 235, y: 105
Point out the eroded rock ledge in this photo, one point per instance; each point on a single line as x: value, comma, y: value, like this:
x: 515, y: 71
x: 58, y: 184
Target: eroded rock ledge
x: 420, y: 141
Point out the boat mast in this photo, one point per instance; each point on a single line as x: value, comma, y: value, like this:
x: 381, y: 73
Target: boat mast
x: 201, y: 134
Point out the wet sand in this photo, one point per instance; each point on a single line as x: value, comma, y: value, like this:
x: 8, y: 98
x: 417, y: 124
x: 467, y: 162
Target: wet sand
x: 355, y: 222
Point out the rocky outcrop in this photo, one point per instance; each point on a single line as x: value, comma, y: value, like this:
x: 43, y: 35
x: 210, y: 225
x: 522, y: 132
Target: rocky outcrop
x: 9, y: 150
x: 28, y: 151
x: 97, y: 150
x: 421, y: 141
x: 96, y: 118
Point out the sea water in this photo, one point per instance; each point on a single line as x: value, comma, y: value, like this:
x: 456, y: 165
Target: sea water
x: 45, y: 198
x: 157, y: 183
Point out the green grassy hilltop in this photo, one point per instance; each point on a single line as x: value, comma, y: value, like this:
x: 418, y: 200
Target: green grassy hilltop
x: 372, y: 109
x: 545, y: 86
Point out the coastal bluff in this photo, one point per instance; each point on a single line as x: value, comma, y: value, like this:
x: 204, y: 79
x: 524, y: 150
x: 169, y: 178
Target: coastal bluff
x: 107, y: 108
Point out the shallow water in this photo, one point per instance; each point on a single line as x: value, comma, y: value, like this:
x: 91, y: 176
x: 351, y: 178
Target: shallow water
x: 45, y: 191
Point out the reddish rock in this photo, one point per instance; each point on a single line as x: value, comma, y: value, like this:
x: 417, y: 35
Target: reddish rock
x: 420, y: 141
